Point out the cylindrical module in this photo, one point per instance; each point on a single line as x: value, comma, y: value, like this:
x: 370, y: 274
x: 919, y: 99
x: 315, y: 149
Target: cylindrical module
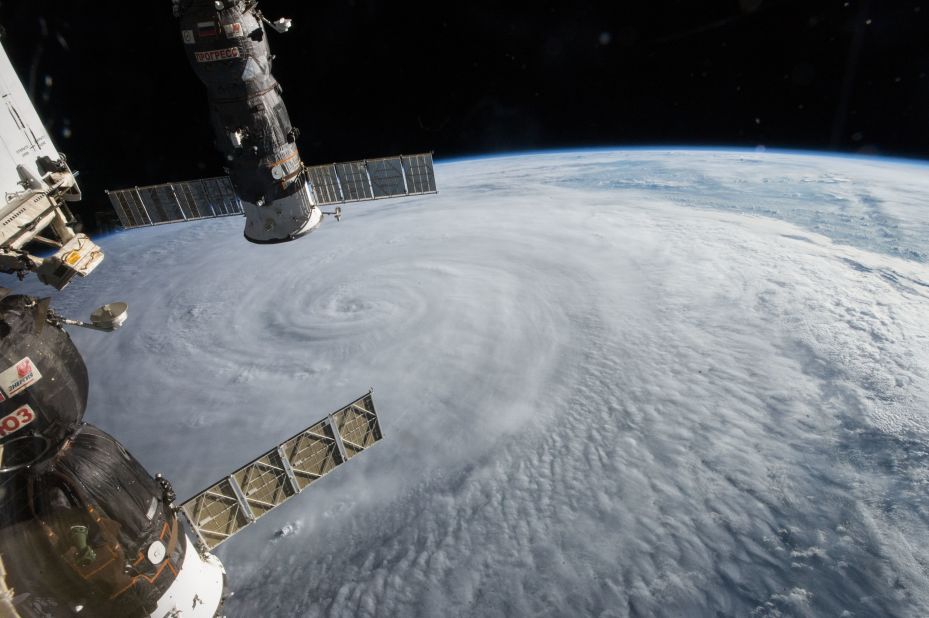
x: 100, y: 538
x: 83, y: 526
x: 227, y: 46
x: 106, y: 524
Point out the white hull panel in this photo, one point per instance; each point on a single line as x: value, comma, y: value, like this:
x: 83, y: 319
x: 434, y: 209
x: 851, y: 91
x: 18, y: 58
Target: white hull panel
x: 197, y: 592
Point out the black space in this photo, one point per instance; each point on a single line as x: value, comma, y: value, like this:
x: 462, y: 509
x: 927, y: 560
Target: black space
x: 368, y: 78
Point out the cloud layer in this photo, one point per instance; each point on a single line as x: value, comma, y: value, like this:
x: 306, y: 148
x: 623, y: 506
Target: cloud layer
x: 611, y: 384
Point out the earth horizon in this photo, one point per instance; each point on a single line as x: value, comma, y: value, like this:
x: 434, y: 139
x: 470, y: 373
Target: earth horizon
x: 611, y: 383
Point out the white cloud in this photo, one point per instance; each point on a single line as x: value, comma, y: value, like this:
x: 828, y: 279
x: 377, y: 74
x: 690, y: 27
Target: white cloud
x: 596, y: 402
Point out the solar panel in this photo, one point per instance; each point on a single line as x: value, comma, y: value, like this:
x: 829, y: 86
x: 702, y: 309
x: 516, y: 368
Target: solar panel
x: 387, y: 177
x: 129, y: 209
x: 334, y: 183
x: 420, y: 174
x: 177, y: 201
x: 239, y: 499
x: 325, y: 184
x: 367, y: 179
x: 353, y: 178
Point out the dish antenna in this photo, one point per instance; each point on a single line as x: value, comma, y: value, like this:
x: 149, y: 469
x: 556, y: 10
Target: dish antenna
x: 107, y: 318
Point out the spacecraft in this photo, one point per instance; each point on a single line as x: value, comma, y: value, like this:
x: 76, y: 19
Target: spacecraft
x: 227, y: 45
x: 85, y: 529
x: 36, y: 185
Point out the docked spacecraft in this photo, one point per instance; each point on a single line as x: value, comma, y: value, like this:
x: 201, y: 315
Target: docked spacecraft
x: 229, y: 52
x: 227, y: 45
x: 84, y: 528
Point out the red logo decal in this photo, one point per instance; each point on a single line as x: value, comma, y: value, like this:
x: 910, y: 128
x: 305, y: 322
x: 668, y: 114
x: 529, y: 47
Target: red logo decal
x: 24, y: 368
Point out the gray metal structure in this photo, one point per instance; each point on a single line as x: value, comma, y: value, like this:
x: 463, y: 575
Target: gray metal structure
x: 227, y: 46
x: 334, y: 183
x: 36, y: 186
x: 231, y: 504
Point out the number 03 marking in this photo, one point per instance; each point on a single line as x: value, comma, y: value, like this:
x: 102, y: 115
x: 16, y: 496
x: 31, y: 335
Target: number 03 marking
x: 20, y: 417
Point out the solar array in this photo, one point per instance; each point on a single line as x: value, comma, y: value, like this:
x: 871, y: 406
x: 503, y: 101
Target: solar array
x: 234, y: 502
x: 333, y: 183
x: 176, y: 201
x: 371, y: 179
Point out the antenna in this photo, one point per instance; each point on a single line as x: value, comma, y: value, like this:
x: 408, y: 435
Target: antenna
x: 107, y: 318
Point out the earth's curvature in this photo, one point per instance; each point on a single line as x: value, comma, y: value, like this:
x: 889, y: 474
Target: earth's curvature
x: 674, y: 383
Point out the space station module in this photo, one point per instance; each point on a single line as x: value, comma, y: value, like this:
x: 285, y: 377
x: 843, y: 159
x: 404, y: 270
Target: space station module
x: 226, y: 42
x: 84, y: 528
x: 227, y: 46
x: 36, y: 186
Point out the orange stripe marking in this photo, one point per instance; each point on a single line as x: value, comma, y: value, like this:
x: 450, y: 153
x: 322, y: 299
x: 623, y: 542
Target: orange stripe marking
x: 285, y: 159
